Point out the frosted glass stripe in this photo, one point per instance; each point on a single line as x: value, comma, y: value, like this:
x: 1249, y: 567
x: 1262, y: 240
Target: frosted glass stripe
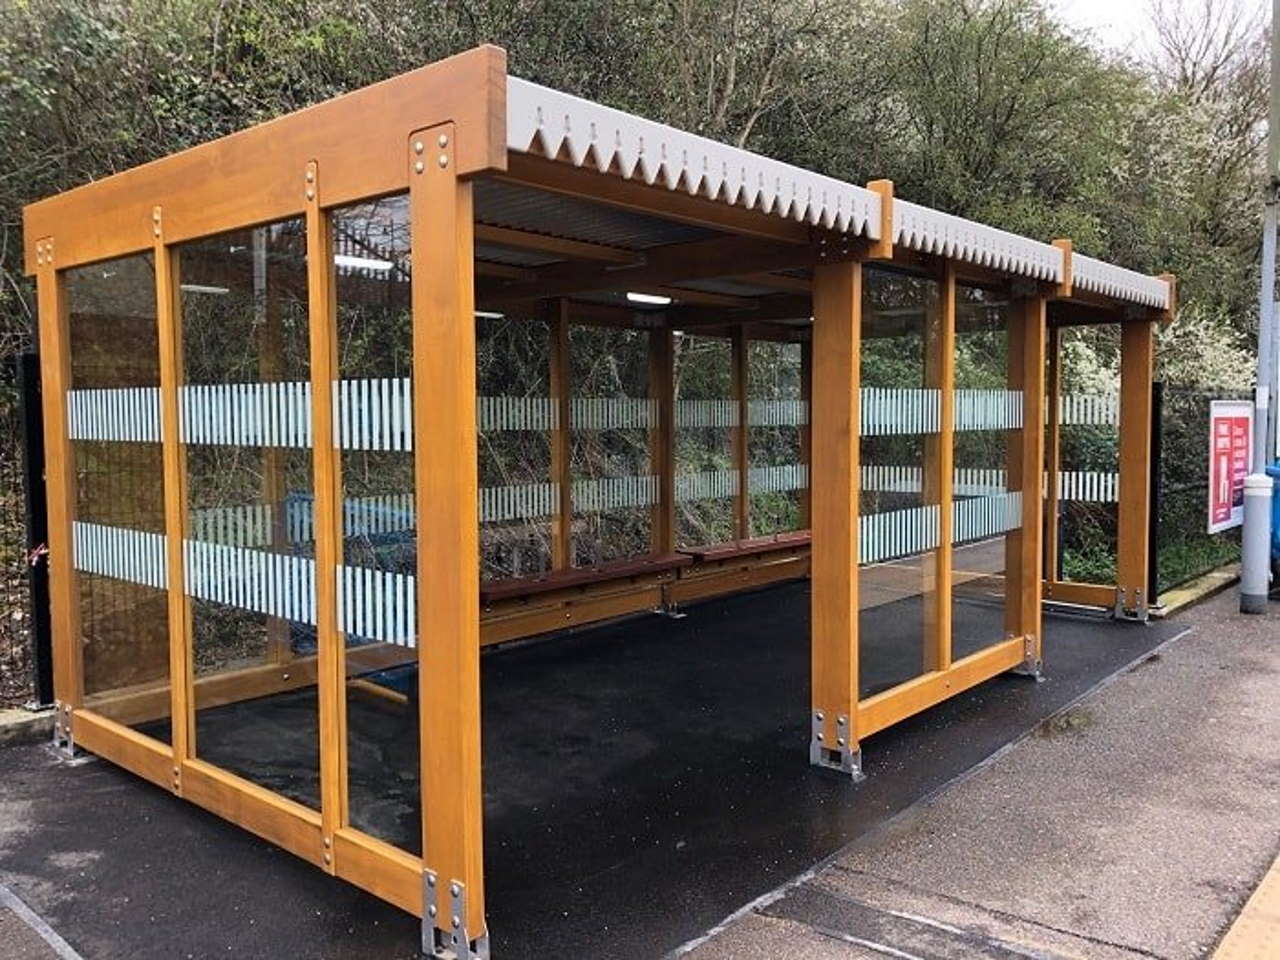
x: 275, y: 584
x: 377, y: 605
x: 494, y: 414
x: 1089, y: 486
x: 123, y: 415
x: 966, y: 481
x: 891, y: 411
x: 897, y: 533
x: 777, y: 413
x: 706, y: 413
x: 778, y: 478
x: 239, y: 526
x: 246, y: 414
x: 707, y: 485
x: 612, y: 413
x: 1088, y: 409
x: 988, y: 409
x: 979, y: 518
x: 374, y: 414
x: 135, y: 556
x: 524, y: 501
x: 613, y: 493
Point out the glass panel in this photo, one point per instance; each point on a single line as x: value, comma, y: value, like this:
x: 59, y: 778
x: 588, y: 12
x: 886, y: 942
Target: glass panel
x: 777, y: 415
x: 119, y: 539
x: 706, y: 415
x: 250, y: 568
x: 377, y: 582
x: 614, y: 488
x: 1089, y: 463
x: 517, y: 497
x: 987, y: 506
x: 898, y: 526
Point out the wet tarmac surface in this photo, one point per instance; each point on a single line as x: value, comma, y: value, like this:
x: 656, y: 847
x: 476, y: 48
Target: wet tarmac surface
x: 642, y: 780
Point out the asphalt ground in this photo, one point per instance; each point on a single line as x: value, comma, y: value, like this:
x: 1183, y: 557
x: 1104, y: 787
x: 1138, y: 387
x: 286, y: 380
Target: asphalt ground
x: 643, y: 780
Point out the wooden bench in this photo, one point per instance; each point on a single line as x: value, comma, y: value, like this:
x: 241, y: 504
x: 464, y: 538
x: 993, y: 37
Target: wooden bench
x: 721, y: 568
x: 525, y: 606
x: 498, y: 590
x: 733, y: 549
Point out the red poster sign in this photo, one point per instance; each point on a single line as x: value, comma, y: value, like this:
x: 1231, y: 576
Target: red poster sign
x: 1230, y: 454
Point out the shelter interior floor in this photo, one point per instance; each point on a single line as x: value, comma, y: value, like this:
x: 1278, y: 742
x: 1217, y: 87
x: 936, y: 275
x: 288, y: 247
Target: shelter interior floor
x: 645, y: 777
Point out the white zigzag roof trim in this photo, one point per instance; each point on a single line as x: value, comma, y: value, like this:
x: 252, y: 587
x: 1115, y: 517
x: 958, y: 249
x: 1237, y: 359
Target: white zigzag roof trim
x: 539, y: 117
x: 1109, y: 280
x: 931, y: 231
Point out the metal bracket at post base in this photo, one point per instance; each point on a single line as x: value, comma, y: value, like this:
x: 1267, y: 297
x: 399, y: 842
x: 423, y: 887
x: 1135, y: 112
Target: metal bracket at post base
x: 444, y: 934
x: 1031, y: 665
x: 1137, y: 611
x: 839, y: 756
x: 63, y: 741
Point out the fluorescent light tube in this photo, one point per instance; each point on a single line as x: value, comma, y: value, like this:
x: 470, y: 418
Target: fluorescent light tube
x: 204, y: 288
x: 651, y: 299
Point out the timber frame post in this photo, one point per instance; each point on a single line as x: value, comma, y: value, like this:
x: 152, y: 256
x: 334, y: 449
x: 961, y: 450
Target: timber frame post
x: 1024, y: 545
x: 64, y: 593
x: 1053, y: 458
x: 741, y: 435
x: 558, y: 389
x: 1137, y: 357
x: 662, y: 452
x: 833, y: 482
x: 327, y: 471
x: 445, y: 452
x: 168, y: 268
x: 939, y: 474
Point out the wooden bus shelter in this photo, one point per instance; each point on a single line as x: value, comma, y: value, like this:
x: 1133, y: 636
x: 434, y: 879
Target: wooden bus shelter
x: 294, y: 486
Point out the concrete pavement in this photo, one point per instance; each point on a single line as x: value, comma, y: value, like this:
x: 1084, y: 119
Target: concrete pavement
x: 1133, y: 824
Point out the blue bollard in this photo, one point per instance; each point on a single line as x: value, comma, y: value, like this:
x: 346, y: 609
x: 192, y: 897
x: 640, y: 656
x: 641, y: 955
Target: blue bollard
x: 1273, y: 472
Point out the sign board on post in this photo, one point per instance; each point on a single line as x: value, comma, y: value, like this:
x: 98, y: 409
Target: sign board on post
x: 1230, y: 457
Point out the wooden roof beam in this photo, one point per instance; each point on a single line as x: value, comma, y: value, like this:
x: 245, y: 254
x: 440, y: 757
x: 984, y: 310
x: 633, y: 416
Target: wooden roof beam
x: 666, y: 265
x: 555, y: 246
x: 637, y: 196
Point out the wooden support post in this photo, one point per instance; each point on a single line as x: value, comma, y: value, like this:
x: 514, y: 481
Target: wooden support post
x: 662, y: 454
x: 939, y: 460
x: 444, y: 429
x: 561, y: 473
x: 837, y: 319
x: 1053, y: 456
x: 741, y: 436
x: 174, y: 456
x: 1137, y: 357
x: 1024, y: 550
x: 806, y: 431
x: 64, y: 592
x: 326, y: 465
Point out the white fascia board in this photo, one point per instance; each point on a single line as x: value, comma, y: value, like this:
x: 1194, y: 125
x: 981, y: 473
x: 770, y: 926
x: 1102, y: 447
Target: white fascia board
x: 546, y: 121
x: 554, y: 124
x: 931, y: 231
x: 1103, y: 278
